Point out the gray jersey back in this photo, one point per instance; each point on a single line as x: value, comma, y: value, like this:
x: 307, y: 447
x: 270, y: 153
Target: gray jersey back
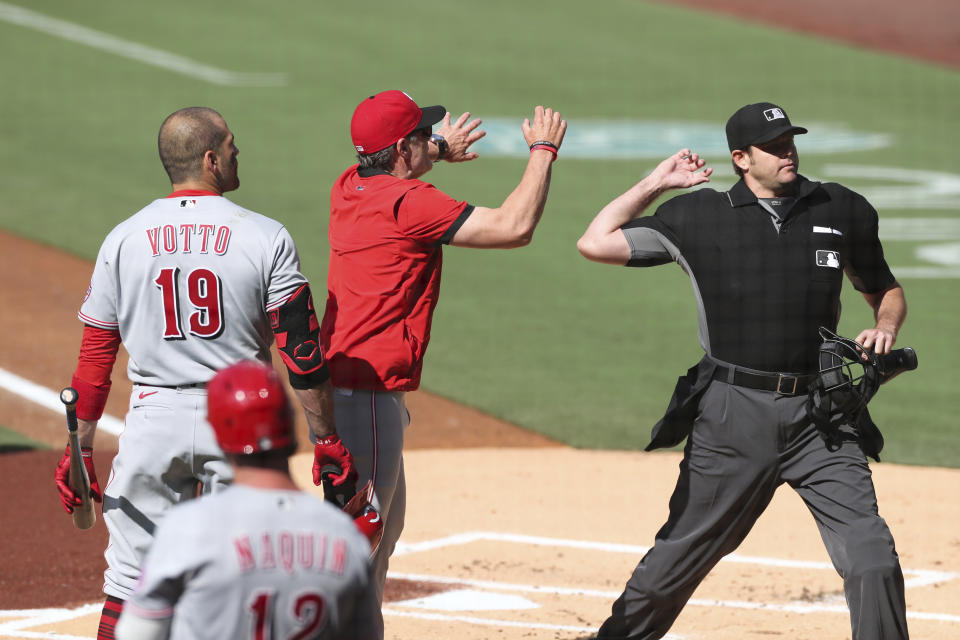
x: 247, y: 560
x: 188, y: 282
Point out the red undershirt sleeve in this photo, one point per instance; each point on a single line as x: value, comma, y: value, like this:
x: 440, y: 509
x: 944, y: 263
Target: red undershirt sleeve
x: 98, y: 352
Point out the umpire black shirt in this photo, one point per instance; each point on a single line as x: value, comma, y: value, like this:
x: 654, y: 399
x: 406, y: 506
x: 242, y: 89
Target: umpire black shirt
x: 764, y: 289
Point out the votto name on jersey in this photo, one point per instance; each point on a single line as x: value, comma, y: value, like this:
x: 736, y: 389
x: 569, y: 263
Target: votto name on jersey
x: 188, y: 237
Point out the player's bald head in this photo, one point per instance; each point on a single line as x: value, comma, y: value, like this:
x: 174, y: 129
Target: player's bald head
x: 185, y: 136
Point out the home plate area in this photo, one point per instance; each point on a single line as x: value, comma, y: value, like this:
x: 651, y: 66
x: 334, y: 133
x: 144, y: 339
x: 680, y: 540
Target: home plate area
x: 504, y: 580
x: 482, y: 585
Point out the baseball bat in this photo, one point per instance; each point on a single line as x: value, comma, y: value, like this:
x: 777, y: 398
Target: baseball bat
x: 341, y: 495
x: 895, y: 363
x: 84, y: 515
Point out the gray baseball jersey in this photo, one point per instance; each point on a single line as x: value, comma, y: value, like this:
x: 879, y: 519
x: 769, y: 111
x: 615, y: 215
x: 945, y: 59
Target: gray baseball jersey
x: 257, y: 563
x: 188, y: 281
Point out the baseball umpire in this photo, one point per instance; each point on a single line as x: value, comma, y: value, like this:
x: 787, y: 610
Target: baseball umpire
x: 387, y: 229
x: 766, y: 260
x: 190, y: 284
x: 261, y: 559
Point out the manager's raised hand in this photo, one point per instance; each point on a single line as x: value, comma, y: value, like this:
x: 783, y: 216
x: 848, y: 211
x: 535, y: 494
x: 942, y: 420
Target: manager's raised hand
x: 457, y: 137
x: 546, y: 131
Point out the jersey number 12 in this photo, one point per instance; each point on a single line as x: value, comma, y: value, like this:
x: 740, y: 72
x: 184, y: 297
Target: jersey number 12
x: 309, y: 613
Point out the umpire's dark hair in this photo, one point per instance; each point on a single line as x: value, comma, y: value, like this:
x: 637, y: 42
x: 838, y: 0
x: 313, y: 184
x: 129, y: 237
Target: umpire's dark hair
x: 382, y: 159
x: 185, y: 136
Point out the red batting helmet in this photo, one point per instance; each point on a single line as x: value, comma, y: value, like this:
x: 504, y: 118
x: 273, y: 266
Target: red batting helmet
x: 365, y: 516
x: 370, y: 524
x: 249, y: 410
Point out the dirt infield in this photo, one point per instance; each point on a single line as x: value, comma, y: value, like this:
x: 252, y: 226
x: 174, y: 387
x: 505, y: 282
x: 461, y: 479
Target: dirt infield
x: 492, y: 550
x: 924, y: 29
x: 514, y: 542
x: 529, y: 540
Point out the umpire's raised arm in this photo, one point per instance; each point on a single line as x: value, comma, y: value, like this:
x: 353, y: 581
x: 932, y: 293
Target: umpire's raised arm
x: 603, y: 240
x: 512, y: 223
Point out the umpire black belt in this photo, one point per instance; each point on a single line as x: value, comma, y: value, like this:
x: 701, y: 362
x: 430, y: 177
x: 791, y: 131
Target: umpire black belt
x: 785, y: 384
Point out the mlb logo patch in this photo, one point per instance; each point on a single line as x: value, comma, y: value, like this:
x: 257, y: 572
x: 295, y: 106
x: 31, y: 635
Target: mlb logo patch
x: 188, y: 204
x: 829, y: 259
x: 773, y: 114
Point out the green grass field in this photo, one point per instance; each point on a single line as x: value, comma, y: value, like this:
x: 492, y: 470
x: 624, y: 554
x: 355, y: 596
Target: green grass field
x: 539, y: 336
x: 12, y: 441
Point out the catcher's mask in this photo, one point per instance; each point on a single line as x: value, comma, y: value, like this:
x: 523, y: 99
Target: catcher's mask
x: 849, y: 374
x: 849, y: 377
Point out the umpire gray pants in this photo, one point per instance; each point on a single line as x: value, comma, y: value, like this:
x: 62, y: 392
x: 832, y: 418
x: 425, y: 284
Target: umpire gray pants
x: 744, y: 444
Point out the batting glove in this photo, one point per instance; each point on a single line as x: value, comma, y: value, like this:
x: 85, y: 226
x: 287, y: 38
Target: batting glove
x: 62, y: 477
x: 328, y: 451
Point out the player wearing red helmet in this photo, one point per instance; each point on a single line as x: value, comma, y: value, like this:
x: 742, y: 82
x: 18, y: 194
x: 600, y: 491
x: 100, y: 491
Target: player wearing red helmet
x: 261, y: 558
x: 248, y: 409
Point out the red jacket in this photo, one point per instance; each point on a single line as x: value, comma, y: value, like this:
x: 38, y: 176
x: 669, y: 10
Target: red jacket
x: 386, y: 237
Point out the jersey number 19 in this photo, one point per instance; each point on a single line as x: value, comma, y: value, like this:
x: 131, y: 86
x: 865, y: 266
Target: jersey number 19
x: 206, y: 296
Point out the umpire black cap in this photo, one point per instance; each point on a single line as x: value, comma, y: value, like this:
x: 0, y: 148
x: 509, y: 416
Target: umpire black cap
x: 758, y: 123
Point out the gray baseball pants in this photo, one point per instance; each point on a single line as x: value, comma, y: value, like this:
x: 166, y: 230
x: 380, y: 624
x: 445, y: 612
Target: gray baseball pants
x: 168, y: 453
x: 371, y: 425
x: 744, y: 444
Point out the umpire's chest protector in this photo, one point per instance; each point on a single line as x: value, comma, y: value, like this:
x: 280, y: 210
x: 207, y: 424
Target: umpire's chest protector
x: 765, y: 290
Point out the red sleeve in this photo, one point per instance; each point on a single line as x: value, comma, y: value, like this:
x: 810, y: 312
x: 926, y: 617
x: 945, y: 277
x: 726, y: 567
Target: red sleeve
x: 425, y: 213
x: 98, y: 352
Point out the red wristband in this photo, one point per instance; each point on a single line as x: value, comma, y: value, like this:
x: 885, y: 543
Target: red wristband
x: 545, y: 147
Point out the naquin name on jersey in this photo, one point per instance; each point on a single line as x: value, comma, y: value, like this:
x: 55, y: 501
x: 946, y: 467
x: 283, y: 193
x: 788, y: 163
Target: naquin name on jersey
x: 303, y: 550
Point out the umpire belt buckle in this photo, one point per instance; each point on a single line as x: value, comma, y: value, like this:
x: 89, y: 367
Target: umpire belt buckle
x: 786, y: 385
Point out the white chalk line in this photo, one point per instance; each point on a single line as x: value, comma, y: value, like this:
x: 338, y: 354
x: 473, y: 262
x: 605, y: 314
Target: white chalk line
x: 49, y: 399
x: 924, y: 577
x: 135, y: 51
x: 46, y: 635
x: 790, y: 607
x: 37, y: 617
x: 489, y: 622
x: 921, y: 577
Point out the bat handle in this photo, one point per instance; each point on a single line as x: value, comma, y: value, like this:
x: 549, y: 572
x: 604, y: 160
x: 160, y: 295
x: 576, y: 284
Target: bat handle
x: 84, y: 515
x: 337, y: 495
x: 69, y: 397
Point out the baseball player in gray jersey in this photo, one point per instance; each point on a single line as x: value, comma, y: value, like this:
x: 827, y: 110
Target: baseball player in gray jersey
x: 260, y: 559
x: 190, y: 284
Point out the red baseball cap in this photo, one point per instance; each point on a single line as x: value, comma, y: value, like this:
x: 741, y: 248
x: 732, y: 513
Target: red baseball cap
x: 380, y: 120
